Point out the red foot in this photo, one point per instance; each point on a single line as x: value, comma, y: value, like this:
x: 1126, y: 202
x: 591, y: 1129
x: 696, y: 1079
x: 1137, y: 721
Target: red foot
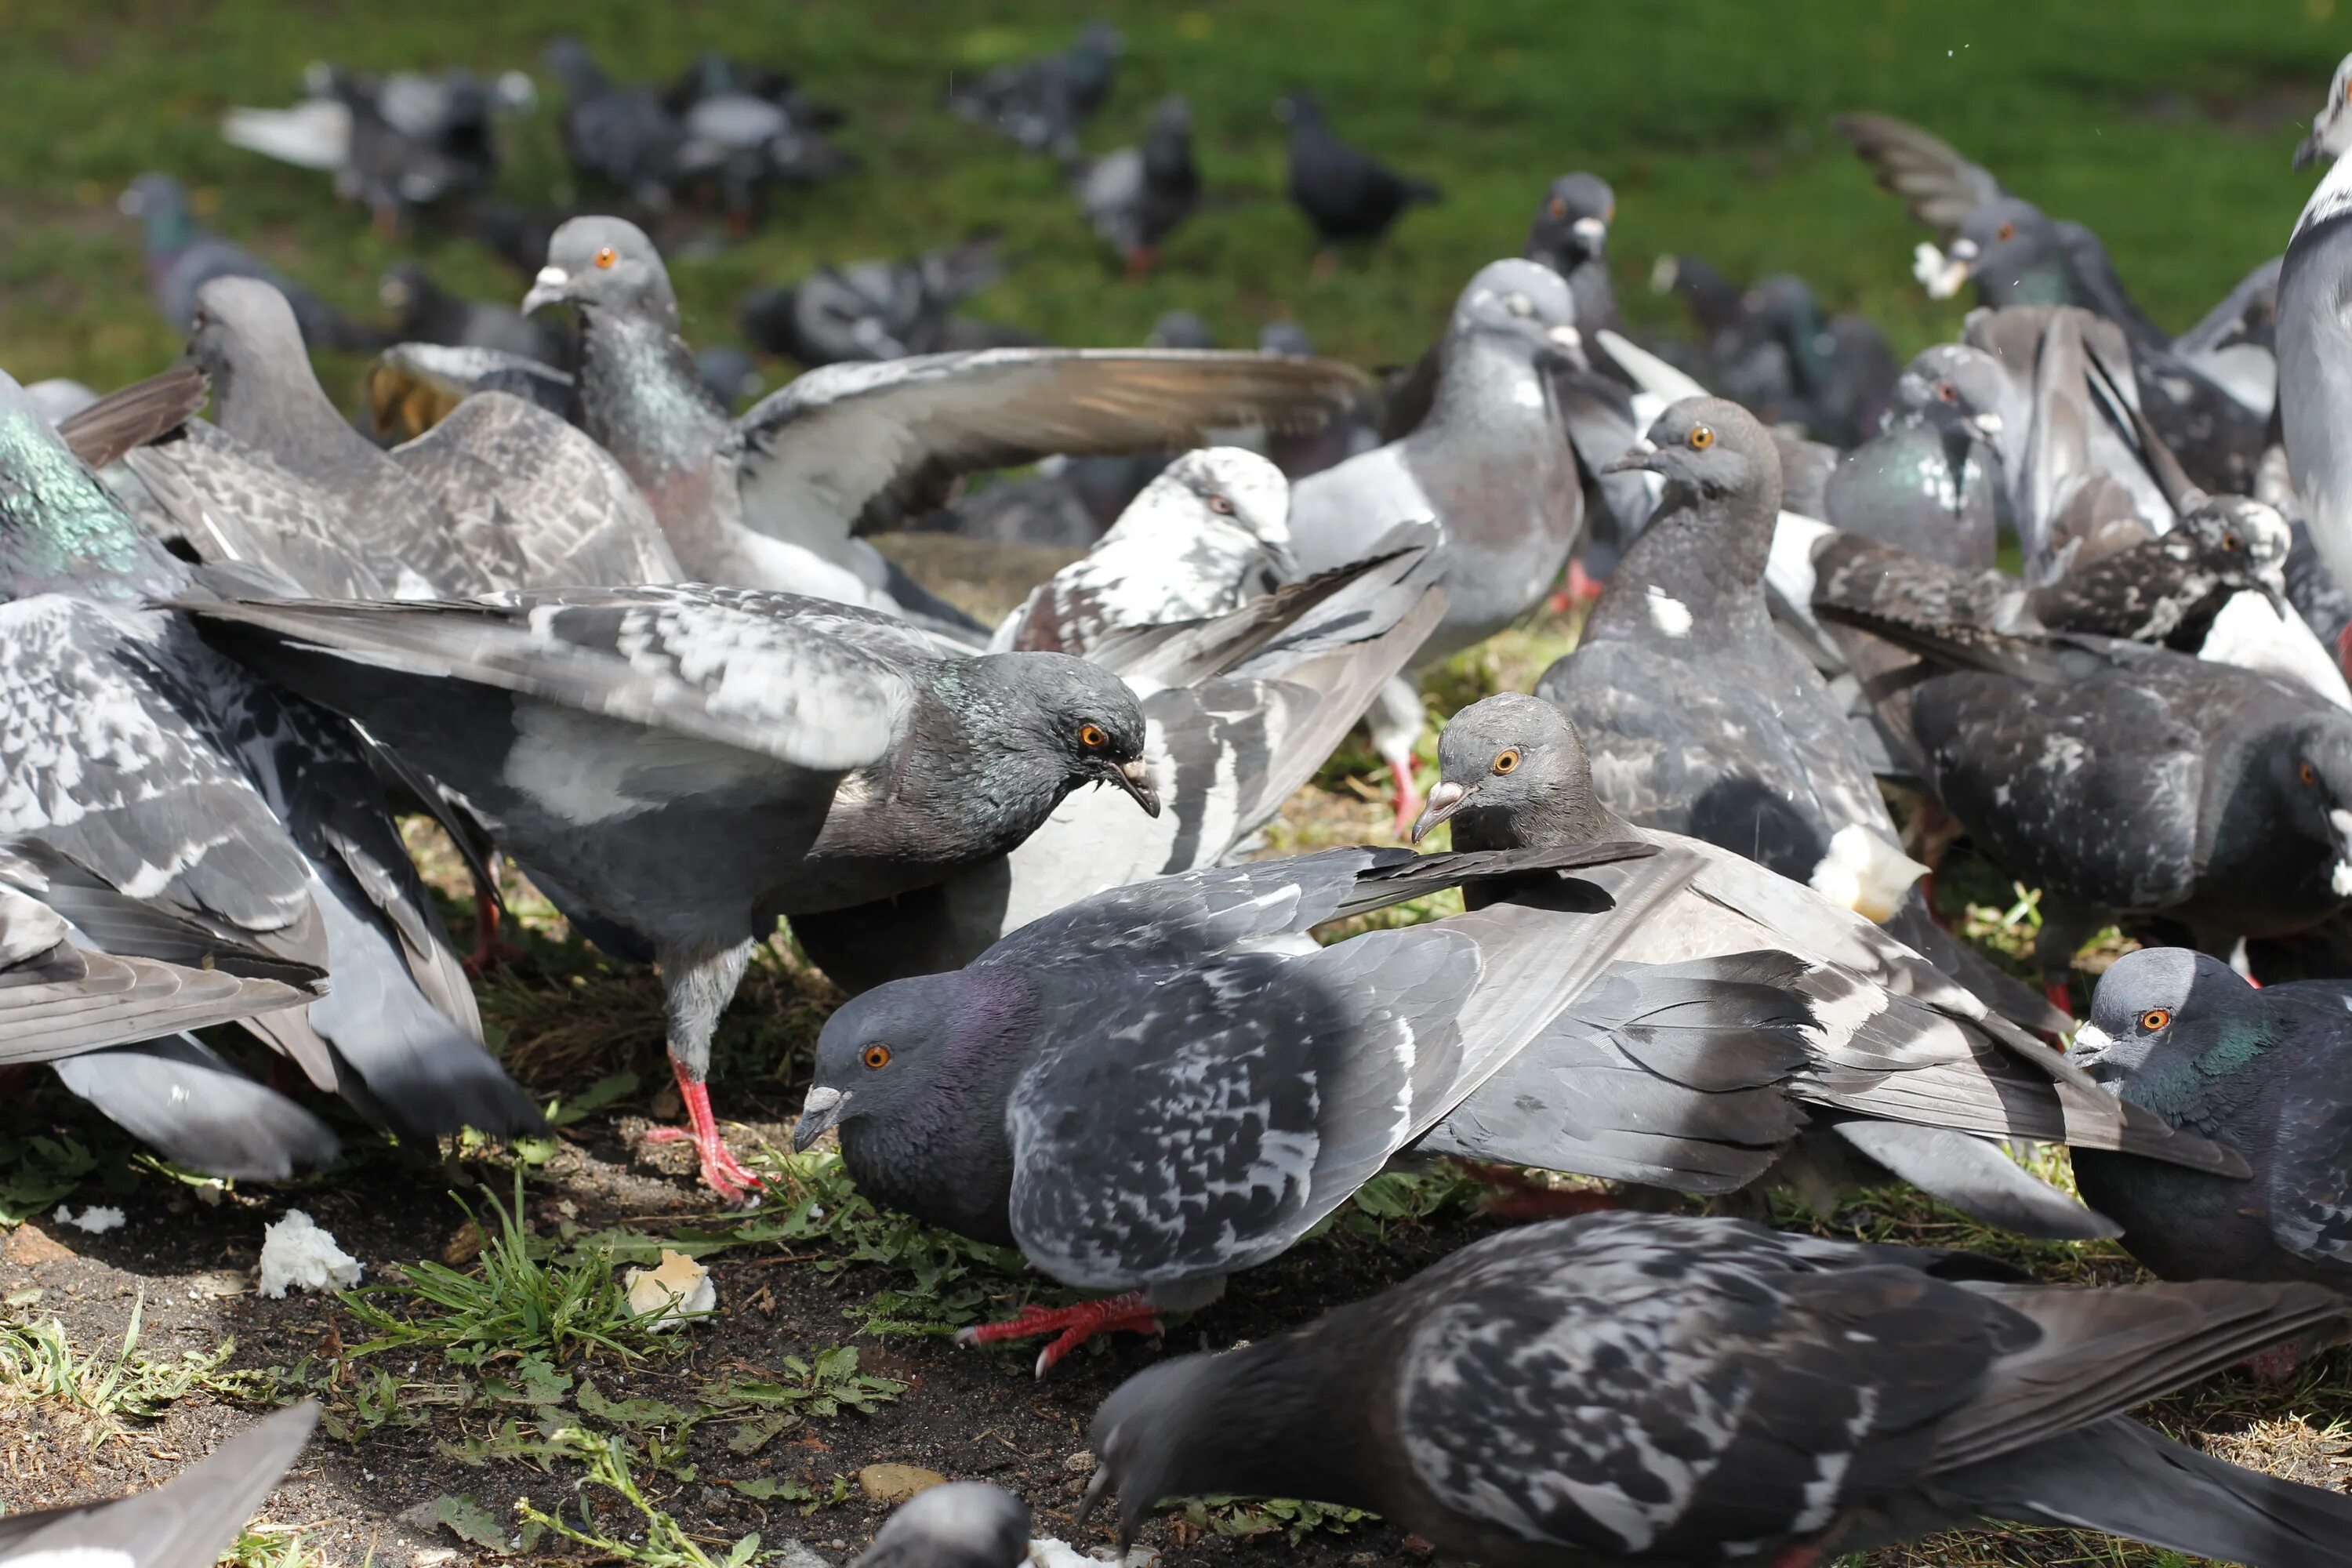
x: 488, y: 951
x: 1139, y: 263
x: 1071, y: 1326
x: 1582, y: 588
x: 1409, y: 798
x: 2276, y: 1365
x: 1518, y: 1196
x: 726, y: 1177
x: 2060, y: 997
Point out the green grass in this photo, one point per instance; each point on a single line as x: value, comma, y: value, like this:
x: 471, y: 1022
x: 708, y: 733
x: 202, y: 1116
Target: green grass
x: 103, y: 1390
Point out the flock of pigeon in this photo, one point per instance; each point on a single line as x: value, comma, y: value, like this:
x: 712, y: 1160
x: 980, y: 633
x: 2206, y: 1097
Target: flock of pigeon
x: 596, y: 621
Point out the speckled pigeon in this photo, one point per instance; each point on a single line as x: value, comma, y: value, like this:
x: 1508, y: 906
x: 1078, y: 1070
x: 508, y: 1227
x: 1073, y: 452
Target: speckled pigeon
x: 1136, y: 197
x: 1638, y: 1389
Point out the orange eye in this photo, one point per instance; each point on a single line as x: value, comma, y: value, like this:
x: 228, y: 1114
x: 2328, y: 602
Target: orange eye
x: 1559, y: 208
x: 2232, y: 543
x: 606, y: 256
x: 876, y: 1057
x: 1700, y: 438
x: 1221, y: 506
x: 2006, y: 231
x: 1946, y: 391
x: 2307, y: 773
x: 1507, y: 760
x: 2155, y: 1018
x: 1091, y: 737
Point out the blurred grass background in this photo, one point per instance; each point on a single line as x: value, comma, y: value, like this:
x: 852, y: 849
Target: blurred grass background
x: 2165, y: 125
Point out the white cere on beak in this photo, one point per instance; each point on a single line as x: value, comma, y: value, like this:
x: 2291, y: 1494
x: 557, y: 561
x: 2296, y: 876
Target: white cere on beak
x: 550, y: 277
x: 1568, y: 338
x: 1592, y: 231
x: 1866, y: 873
x: 1447, y: 794
x: 1987, y: 426
x: 2090, y: 1041
x: 2339, y: 880
x: 820, y: 1099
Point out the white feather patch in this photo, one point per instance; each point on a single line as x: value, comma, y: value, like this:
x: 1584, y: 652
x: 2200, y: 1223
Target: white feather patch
x: 1668, y: 613
x: 1866, y: 873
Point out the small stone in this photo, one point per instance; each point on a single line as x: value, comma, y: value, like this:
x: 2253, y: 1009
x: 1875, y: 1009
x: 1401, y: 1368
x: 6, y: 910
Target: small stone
x: 465, y: 1245
x: 1419, y: 1550
x: 32, y: 1244
x: 1081, y: 1463
x: 894, y: 1484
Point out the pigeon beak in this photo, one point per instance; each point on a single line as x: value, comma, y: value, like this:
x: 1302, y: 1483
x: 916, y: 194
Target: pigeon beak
x: 1566, y: 339
x: 2089, y: 1049
x: 1134, y: 776
x: 547, y: 289
x: 1446, y: 799
x: 1637, y: 457
x: 1592, y: 231
x: 2307, y: 151
x: 820, y: 1113
x: 1987, y: 426
x: 1097, y: 1488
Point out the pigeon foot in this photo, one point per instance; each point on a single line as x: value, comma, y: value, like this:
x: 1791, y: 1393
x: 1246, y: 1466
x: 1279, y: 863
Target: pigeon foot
x: 1582, y: 588
x: 2059, y: 996
x: 1071, y: 1326
x: 2276, y: 1365
x: 1518, y: 1196
x: 720, y: 1170
x: 1409, y: 798
x: 488, y: 951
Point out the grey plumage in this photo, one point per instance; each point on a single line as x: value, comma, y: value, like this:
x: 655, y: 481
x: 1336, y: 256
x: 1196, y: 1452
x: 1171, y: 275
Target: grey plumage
x: 879, y: 310
x: 964, y: 1524
x: 2313, y: 341
x: 1044, y: 103
x: 1630, y: 1389
x: 181, y: 258
x: 1136, y: 197
x: 1571, y: 236
x: 1929, y: 480
x: 394, y: 143
x: 425, y: 313
x: 1345, y: 193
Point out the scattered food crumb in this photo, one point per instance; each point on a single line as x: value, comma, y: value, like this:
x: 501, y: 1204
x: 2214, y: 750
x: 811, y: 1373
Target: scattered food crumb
x: 894, y: 1484
x: 672, y: 1291
x: 96, y: 1219
x: 1045, y: 1551
x: 295, y: 1251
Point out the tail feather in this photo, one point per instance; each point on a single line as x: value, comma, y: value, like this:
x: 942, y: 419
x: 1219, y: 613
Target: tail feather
x: 312, y: 135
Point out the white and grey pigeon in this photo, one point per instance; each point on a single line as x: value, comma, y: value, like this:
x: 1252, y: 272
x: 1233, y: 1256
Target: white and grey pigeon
x: 1491, y: 464
x: 772, y: 499
x: 1167, y: 1083
x: 684, y: 764
x: 1865, y: 1056
x: 1135, y: 198
x: 172, y: 774
x: 963, y: 1524
x: 1643, y: 1389
x: 186, y: 1523
x: 2313, y: 343
x: 877, y: 310
x: 1212, y: 530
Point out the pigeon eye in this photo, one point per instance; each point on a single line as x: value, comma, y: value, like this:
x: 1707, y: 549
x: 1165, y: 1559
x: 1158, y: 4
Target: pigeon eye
x: 2232, y: 543
x: 1221, y: 506
x: 1091, y: 737
x: 2155, y: 1018
x: 1506, y: 760
x: 1559, y: 208
x: 2006, y: 231
x: 2307, y: 773
x: 606, y: 256
x: 876, y: 1057
x: 1518, y: 304
x: 1700, y: 438
x: 1947, y: 392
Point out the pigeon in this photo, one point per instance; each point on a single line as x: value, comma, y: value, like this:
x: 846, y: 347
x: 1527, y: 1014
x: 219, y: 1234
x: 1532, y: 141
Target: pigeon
x: 230, y: 803
x: 2312, y: 342
x: 427, y: 313
x: 1571, y: 236
x: 716, y: 75
x: 1345, y: 193
x: 2257, y: 1070
x: 771, y: 500
x: 740, y: 143
x: 1920, y: 1090
x: 1490, y: 464
x: 686, y: 764
x: 1044, y: 103
x: 877, y: 310
x: 1929, y: 480
x: 620, y: 137
x: 1136, y: 197
x: 1628, y: 1388
x: 186, y: 1523
x: 181, y: 258
x: 1840, y: 370
x: 1240, y: 711
x: 1213, y: 530
x: 497, y: 495
x: 2331, y: 128
x: 963, y: 1524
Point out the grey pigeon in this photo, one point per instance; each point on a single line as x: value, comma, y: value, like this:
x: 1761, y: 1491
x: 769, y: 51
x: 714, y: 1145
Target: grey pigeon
x: 771, y: 500
x: 424, y: 312
x: 1240, y: 711
x: 1643, y: 1389
x: 2331, y: 128
x: 1571, y: 236
x: 688, y: 763
x: 2257, y: 1070
x: 231, y: 803
x: 1136, y: 197
x: 1044, y: 103
x: 1929, y: 480
x: 877, y: 310
x: 1213, y: 530
x: 964, y: 1524
x: 1346, y: 194
x: 185, y: 1523
x: 500, y: 494
x: 622, y: 137
x: 183, y: 257
x: 1490, y: 464
x: 2313, y: 339
x: 1814, y: 1101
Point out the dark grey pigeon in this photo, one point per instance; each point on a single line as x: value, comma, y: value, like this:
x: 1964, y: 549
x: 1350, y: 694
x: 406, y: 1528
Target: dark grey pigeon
x: 1571, y: 236
x: 772, y: 499
x: 498, y: 494
x: 1491, y: 464
x: 620, y: 137
x: 183, y: 257
x: 424, y: 312
x: 688, y: 763
x: 1136, y: 197
x: 2257, y: 1070
x: 1930, y: 479
x: 185, y: 1523
x: 1643, y: 1389
x: 164, y: 769
x: 1240, y: 711
x: 1346, y: 194
x: 1044, y: 103
x: 1890, y: 1066
x: 877, y: 310
x: 964, y: 1524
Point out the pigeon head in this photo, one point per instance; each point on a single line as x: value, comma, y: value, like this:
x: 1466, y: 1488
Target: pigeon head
x: 1523, y: 302
x: 2240, y: 541
x: 2010, y: 249
x: 2331, y: 128
x: 1956, y: 389
x: 160, y: 205
x: 1051, y: 709
x: 404, y: 289
x: 1155, y: 1437
x: 1706, y: 448
x: 570, y: 62
x: 1168, y: 142
x: 60, y: 529
x: 1571, y: 227
x: 243, y: 328
x: 604, y: 264
x: 2167, y: 1025
x: 964, y: 1524
x: 2306, y: 772
x: 1513, y: 773
x: 1181, y: 329
x: 1285, y: 338
x: 1219, y: 486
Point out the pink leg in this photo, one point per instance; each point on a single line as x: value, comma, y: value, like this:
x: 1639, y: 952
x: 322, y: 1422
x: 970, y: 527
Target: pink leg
x: 1582, y: 588
x: 727, y: 1178
x: 1409, y: 797
x: 1517, y: 1196
x: 2060, y: 996
x: 488, y: 951
x: 1071, y: 1326
x: 2344, y: 650
x: 2276, y: 1365
x: 1139, y: 263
